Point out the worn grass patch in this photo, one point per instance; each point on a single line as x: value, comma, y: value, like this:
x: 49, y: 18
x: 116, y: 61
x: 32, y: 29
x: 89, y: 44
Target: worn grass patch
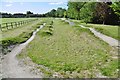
x: 71, y: 51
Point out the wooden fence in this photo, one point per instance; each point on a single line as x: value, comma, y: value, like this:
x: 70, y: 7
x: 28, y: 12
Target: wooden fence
x: 11, y: 25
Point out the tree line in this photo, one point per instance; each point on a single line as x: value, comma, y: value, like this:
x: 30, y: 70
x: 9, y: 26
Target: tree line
x: 88, y: 12
x: 20, y: 15
x: 95, y: 12
x: 60, y: 12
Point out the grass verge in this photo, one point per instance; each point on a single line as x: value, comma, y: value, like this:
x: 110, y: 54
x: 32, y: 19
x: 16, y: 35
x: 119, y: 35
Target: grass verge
x: 112, y: 31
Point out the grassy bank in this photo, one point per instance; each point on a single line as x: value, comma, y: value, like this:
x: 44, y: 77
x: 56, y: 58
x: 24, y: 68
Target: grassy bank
x: 72, y: 51
x: 112, y: 31
x: 18, y: 35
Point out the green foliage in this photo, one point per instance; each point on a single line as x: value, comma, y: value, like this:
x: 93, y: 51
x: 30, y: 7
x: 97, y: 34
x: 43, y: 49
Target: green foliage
x: 116, y: 7
x: 47, y: 30
x: 110, y: 69
x: 86, y: 13
x: 60, y: 12
x: 95, y: 12
x: 57, y: 13
x: 74, y: 9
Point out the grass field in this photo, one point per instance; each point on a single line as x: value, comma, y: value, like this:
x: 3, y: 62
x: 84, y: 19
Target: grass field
x: 18, y: 35
x: 109, y: 30
x: 17, y: 31
x: 6, y: 20
x: 72, y: 51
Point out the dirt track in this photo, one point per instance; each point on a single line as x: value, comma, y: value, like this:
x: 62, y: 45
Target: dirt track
x: 11, y: 68
x: 111, y: 41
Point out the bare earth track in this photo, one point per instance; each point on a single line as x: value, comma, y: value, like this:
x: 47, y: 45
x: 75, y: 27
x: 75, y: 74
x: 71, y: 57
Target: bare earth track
x: 111, y: 41
x: 11, y: 67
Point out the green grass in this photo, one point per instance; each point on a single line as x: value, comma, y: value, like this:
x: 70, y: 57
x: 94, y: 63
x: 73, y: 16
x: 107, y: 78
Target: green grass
x: 18, y: 35
x: 6, y: 20
x: 71, y: 51
x: 112, y: 31
x: 17, y: 31
x: 109, y: 68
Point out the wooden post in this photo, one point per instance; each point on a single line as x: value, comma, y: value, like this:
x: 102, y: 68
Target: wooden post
x: 21, y: 22
x: 7, y: 25
x: 15, y: 24
x: 0, y: 27
x: 11, y: 24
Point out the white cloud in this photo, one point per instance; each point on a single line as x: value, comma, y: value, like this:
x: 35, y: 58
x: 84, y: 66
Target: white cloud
x: 21, y: 3
x: 8, y: 5
x: 56, y: 3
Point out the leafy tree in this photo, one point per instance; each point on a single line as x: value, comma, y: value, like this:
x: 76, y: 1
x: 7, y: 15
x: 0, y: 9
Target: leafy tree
x: 57, y: 13
x: 74, y: 9
x: 86, y: 12
x: 116, y: 7
x: 102, y: 11
x: 28, y: 13
x: 60, y: 12
x: 105, y: 14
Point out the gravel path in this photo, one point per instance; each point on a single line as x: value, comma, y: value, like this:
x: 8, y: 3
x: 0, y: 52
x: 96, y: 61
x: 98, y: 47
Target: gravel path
x: 71, y: 23
x: 111, y: 41
x: 10, y: 65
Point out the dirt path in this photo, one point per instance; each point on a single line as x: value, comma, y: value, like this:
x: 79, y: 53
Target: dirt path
x: 111, y: 41
x: 70, y: 23
x: 10, y: 65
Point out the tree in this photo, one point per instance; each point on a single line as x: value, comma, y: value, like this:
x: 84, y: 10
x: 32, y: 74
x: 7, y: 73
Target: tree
x: 116, y: 7
x: 60, y: 12
x: 28, y: 13
x: 102, y: 11
x: 105, y: 14
x: 86, y: 12
x: 74, y: 9
x: 56, y: 13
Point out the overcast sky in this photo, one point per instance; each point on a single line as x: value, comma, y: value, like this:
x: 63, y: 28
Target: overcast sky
x: 35, y: 7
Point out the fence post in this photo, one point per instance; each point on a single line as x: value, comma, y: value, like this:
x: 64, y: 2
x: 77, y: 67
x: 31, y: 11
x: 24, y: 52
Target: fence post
x: 0, y: 27
x: 7, y: 25
x: 16, y: 24
x: 11, y: 24
x: 21, y: 22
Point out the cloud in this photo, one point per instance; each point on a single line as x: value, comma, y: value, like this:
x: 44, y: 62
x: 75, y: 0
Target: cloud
x: 8, y: 5
x: 21, y: 3
x: 56, y: 3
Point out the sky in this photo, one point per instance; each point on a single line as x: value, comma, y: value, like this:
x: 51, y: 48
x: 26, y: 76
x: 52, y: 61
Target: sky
x: 35, y: 7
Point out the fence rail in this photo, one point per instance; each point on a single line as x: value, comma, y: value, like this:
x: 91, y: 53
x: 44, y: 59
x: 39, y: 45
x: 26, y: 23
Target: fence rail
x: 11, y: 25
